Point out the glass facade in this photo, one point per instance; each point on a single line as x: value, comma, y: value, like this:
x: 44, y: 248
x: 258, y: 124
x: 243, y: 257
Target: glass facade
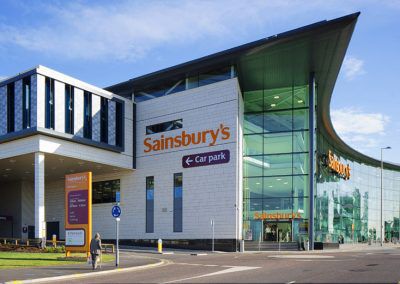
x: 49, y: 90
x: 276, y: 164
x: 178, y: 203
x: 150, y: 204
x: 348, y: 210
x: 180, y: 84
x: 105, y: 191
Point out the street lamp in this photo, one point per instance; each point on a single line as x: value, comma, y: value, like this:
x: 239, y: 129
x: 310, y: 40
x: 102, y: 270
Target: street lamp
x: 382, y: 229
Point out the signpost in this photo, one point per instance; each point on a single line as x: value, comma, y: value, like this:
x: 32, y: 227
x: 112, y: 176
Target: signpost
x: 212, y: 228
x: 116, y: 212
x: 78, y: 212
x: 206, y: 159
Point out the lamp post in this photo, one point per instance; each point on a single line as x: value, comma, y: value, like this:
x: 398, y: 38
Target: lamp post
x: 382, y: 229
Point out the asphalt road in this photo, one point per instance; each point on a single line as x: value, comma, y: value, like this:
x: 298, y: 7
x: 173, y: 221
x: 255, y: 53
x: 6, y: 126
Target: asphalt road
x: 378, y: 266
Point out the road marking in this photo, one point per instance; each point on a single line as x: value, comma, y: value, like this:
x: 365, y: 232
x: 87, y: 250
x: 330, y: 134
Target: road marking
x: 291, y: 282
x: 302, y: 256
x: 210, y: 265
x: 229, y: 270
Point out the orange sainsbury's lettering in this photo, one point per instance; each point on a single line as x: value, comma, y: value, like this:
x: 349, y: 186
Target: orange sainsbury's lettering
x: 338, y: 167
x: 185, y: 139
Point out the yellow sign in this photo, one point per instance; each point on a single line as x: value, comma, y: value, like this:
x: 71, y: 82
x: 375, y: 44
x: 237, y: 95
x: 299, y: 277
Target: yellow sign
x: 278, y: 215
x: 78, y: 212
x: 341, y: 169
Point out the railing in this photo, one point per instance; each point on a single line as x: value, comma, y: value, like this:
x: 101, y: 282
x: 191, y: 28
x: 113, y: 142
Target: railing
x: 35, y: 242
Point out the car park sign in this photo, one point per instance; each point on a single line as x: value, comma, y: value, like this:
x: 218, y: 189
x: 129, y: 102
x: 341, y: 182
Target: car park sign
x: 206, y: 159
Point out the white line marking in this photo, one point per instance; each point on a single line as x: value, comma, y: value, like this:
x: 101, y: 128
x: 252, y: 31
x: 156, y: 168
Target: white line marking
x: 291, y: 282
x: 229, y: 270
x: 210, y: 265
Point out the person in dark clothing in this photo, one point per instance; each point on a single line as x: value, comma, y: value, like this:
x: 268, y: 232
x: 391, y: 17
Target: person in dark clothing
x: 95, y: 249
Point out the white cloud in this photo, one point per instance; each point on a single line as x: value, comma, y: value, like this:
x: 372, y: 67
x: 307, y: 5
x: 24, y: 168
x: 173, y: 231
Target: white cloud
x: 361, y: 130
x: 353, y: 67
x: 2, y: 78
x: 126, y: 30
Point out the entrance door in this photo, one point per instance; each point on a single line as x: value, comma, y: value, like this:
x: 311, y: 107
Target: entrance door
x: 52, y: 228
x: 275, y: 231
x: 31, y: 232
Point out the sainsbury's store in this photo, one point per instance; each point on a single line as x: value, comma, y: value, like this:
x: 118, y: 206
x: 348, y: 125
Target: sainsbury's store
x: 241, y: 139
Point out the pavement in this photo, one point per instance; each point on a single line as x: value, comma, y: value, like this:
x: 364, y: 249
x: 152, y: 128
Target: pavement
x: 62, y: 272
x: 137, y: 265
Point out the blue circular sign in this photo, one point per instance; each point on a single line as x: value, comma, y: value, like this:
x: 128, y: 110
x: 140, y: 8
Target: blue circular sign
x: 116, y: 211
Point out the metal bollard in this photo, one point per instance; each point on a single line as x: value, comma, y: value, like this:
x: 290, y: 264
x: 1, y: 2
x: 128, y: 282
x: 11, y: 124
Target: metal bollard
x: 159, y: 242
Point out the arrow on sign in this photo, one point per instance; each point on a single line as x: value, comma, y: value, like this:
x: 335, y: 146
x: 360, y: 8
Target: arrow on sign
x: 188, y: 161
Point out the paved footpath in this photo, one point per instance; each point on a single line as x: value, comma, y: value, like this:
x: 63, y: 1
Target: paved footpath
x: 28, y: 275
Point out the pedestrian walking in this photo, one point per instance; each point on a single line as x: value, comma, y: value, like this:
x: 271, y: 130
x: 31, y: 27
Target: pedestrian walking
x: 95, y: 249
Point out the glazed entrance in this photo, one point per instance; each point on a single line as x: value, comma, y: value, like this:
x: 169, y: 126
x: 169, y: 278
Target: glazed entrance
x: 277, y: 231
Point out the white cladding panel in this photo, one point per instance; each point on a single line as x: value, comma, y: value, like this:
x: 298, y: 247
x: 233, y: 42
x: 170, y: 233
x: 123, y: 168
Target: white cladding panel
x: 59, y: 112
x: 78, y: 112
x: 209, y: 192
x: 40, y: 100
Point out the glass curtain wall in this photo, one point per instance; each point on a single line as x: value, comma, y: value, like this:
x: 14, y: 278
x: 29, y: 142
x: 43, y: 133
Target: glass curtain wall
x: 348, y: 210
x: 276, y: 164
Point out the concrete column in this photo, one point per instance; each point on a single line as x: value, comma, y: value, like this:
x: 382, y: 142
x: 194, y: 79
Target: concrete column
x: 40, y: 225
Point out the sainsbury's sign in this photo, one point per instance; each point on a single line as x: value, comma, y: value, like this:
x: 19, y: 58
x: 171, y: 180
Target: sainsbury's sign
x: 339, y: 168
x: 185, y: 139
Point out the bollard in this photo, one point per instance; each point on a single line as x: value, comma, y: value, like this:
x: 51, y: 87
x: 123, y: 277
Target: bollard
x: 159, y: 245
x: 241, y: 246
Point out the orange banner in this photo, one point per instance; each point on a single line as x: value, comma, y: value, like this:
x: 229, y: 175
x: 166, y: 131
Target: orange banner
x: 78, y: 212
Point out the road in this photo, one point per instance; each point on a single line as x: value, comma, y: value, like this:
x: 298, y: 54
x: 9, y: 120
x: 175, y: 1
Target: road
x: 378, y: 266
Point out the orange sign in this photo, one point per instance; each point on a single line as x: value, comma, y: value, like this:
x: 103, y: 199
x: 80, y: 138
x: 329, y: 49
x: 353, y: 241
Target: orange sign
x: 265, y: 215
x: 186, y: 139
x: 78, y: 212
x: 341, y: 169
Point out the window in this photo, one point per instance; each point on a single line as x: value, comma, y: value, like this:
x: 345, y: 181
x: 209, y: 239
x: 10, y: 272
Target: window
x: 26, y: 102
x: 87, y: 115
x: 149, y: 204
x: 69, y: 109
x: 119, y: 113
x: 49, y: 103
x: 104, y: 120
x: 178, y: 202
x: 10, y: 107
x: 104, y: 191
x: 180, y: 84
x: 164, y: 126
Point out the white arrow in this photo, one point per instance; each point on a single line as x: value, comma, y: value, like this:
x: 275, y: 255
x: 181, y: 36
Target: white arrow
x: 188, y: 161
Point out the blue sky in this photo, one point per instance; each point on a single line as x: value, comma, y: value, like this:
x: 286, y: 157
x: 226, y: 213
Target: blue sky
x: 106, y: 42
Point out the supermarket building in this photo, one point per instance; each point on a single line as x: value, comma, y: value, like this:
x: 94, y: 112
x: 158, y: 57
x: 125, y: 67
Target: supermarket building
x: 242, y: 138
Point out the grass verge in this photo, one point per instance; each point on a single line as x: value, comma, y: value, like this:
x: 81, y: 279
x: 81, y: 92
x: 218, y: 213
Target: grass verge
x: 23, y: 259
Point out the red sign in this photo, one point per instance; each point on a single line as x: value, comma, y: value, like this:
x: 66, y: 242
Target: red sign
x: 78, y: 207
